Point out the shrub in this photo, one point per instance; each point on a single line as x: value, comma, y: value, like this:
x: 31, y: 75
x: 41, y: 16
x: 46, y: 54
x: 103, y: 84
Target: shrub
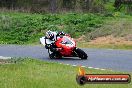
x: 21, y: 28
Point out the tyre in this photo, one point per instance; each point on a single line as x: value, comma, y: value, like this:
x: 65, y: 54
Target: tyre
x: 51, y: 55
x: 81, y: 54
x: 54, y: 55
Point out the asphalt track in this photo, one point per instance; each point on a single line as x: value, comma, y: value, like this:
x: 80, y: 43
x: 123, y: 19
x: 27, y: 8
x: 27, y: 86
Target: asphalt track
x: 118, y: 60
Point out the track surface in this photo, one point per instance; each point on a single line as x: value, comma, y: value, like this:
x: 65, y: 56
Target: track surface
x: 120, y: 60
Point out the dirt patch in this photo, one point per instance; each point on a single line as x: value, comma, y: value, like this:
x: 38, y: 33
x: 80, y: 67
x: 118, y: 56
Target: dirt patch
x: 81, y: 38
x: 4, y: 61
x: 111, y: 40
x: 128, y: 37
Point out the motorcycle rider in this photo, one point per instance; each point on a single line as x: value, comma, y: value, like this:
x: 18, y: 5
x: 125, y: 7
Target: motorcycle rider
x: 61, y: 46
x: 52, y: 37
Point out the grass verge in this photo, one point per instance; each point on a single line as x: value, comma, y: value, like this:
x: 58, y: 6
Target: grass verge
x: 31, y: 73
x: 107, y: 46
x: 26, y: 28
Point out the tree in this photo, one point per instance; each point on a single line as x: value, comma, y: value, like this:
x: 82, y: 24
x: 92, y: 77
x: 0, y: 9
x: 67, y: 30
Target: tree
x: 127, y: 3
x: 53, y: 6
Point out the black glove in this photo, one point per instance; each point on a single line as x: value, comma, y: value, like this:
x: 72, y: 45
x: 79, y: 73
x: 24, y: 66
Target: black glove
x: 47, y: 46
x: 60, y: 33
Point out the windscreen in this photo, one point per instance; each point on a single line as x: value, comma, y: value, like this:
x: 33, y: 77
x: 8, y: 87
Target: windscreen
x: 66, y: 41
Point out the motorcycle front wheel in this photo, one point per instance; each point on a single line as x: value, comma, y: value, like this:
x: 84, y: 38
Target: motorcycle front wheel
x: 54, y: 55
x: 81, y: 54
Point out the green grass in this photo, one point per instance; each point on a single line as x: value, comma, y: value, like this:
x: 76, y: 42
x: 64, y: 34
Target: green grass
x: 31, y: 73
x: 105, y: 46
x: 118, y: 26
x: 26, y: 28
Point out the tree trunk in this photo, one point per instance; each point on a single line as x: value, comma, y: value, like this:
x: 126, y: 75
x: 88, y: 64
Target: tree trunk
x: 78, y: 6
x: 53, y: 6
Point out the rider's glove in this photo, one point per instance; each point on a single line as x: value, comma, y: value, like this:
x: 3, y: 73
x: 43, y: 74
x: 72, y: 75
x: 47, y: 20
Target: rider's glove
x: 47, y: 46
x: 61, y: 33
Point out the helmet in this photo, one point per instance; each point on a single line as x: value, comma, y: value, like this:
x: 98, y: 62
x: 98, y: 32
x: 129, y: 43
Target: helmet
x: 50, y: 35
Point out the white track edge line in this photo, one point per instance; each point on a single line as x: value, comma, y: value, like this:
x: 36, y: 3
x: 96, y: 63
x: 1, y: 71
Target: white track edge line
x: 88, y: 67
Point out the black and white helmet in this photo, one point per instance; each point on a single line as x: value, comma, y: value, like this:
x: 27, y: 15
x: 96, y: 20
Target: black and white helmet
x: 50, y: 35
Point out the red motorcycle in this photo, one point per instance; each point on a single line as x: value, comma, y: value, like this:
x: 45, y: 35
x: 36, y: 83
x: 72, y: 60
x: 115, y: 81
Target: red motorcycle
x: 64, y: 46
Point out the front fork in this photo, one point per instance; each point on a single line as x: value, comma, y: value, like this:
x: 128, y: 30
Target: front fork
x: 74, y: 52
